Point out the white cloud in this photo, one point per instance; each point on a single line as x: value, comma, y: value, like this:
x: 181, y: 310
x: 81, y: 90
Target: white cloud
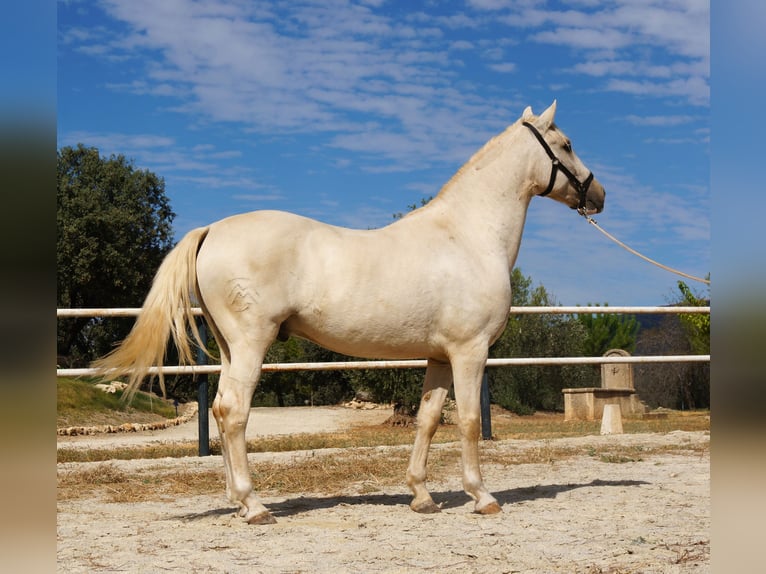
x: 584, y: 38
x: 504, y: 68
x: 649, y: 39
x: 109, y: 143
x: 200, y: 164
x: 257, y: 198
x: 494, y: 5
x: 329, y: 67
x: 241, y: 62
x: 695, y: 89
x: 462, y: 45
x: 660, y: 121
x: 602, y: 67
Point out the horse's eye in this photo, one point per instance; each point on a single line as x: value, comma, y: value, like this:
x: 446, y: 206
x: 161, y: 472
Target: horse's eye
x: 568, y: 147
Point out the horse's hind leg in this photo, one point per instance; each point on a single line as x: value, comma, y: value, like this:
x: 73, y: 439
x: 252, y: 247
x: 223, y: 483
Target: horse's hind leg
x: 232, y: 409
x: 224, y: 383
x: 218, y: 416
x: 437, y: 384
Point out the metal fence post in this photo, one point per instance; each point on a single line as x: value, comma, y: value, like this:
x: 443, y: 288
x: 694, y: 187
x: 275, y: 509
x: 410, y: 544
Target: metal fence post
x: 486, y: 418
x: 202, y: 398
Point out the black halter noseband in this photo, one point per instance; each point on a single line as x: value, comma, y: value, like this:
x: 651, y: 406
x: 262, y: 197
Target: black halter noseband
x: 580, y: 186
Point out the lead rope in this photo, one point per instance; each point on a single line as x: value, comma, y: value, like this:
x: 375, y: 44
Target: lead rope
x: 644, y: 257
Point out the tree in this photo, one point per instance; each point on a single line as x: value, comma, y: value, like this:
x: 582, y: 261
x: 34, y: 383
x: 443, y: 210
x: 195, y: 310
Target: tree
x: 413, y: 206
x: 401, y: 387
x: 697, y: 326
x: 676, y: 385
x: 298, y: 388
x: 113, y: 230
x: 608, y: 331
x: 525, y: 389
x: 670, y: 385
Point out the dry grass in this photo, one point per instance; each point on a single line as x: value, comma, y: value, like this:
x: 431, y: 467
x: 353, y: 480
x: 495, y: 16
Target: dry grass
x: 115, y: 485
x: 504, y: 426
x: 358, y: 472
x: 357, y: 469
x: 173, y: 450
x: 552, y: 425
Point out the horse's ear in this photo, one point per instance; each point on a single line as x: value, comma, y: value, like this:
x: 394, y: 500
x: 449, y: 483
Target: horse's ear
x: 546, y: 118
x: 527, y: 115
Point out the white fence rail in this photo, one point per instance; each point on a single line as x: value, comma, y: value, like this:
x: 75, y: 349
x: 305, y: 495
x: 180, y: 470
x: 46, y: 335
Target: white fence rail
x: 420, y: 363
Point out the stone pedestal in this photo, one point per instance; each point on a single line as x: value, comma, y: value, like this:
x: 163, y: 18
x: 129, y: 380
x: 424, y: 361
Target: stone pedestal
x: 611, y: 421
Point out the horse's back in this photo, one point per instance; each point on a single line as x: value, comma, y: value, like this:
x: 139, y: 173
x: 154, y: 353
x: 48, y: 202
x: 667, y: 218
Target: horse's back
x: 273, y: 244
x: 281, y: 265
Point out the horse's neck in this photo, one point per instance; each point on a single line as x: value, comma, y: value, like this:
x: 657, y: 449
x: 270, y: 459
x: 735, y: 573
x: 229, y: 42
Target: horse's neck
x: 488, y: 198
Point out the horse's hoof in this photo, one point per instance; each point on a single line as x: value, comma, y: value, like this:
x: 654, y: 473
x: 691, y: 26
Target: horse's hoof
x: 491, y: 508
x: 262, y: 518
x: 428, y: 507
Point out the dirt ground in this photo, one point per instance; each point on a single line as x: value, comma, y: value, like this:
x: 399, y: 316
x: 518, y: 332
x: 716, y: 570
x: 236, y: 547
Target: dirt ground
x: 581, y: 514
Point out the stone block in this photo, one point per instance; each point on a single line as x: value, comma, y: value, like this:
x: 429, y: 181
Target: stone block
x: 617, y: 375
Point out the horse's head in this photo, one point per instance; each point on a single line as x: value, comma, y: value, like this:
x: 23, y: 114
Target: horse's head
x: 577, y: 188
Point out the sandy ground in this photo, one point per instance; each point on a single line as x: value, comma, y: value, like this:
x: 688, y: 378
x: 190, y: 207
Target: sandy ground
x: 577, y: 515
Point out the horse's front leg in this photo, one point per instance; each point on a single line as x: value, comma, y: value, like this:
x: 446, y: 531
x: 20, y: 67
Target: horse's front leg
x: 467, y: 371
x: 435, y: 388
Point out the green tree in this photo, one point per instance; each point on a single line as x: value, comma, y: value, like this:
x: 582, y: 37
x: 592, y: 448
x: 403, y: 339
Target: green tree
x: 298, y: 388
x: 400, y: 387
x: 413, y: 206
x: 113, y: 230
x: 697, y: 326
x: 608, y: 331
x: 605, y: 331
x: 524, y: 389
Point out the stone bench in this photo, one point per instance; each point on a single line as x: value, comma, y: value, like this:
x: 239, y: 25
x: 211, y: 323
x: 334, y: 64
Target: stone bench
x: 587, y: 403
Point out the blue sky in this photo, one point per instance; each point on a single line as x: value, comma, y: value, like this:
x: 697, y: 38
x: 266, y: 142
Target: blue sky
x: 351, y: 111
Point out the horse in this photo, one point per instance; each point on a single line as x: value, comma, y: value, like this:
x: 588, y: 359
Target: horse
x: 434, y: 284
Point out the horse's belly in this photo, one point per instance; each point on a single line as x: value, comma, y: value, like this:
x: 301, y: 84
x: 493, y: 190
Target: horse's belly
x: 363, y: 336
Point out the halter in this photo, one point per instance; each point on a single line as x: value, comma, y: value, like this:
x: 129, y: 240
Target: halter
x: 580, y: 186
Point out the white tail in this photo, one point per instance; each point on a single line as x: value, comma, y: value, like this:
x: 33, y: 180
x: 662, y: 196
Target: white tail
x: 166, y: 311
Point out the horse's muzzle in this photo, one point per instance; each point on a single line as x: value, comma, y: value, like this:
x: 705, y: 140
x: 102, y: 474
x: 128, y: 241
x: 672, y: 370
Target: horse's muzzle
x: 594, y: 200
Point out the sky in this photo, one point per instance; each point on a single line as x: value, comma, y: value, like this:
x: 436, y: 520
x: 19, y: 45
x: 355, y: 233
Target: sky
x: 351, y: 111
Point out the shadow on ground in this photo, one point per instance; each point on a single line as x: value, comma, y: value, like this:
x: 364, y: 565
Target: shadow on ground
x: 446, y: 499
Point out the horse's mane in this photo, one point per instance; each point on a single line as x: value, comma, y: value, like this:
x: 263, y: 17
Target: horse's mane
x: 475, y: 158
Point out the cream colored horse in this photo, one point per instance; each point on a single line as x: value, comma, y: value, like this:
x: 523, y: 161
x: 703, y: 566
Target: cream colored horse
x: 434, y: 284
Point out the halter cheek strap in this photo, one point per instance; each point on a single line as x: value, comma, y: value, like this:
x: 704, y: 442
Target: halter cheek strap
x: 556, y: 166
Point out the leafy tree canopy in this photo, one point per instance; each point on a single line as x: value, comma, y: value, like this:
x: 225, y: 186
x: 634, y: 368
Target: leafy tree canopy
x: 113, y: 230
x: 524, y: 389
x: 697, y: 326
x: 608, y: 331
